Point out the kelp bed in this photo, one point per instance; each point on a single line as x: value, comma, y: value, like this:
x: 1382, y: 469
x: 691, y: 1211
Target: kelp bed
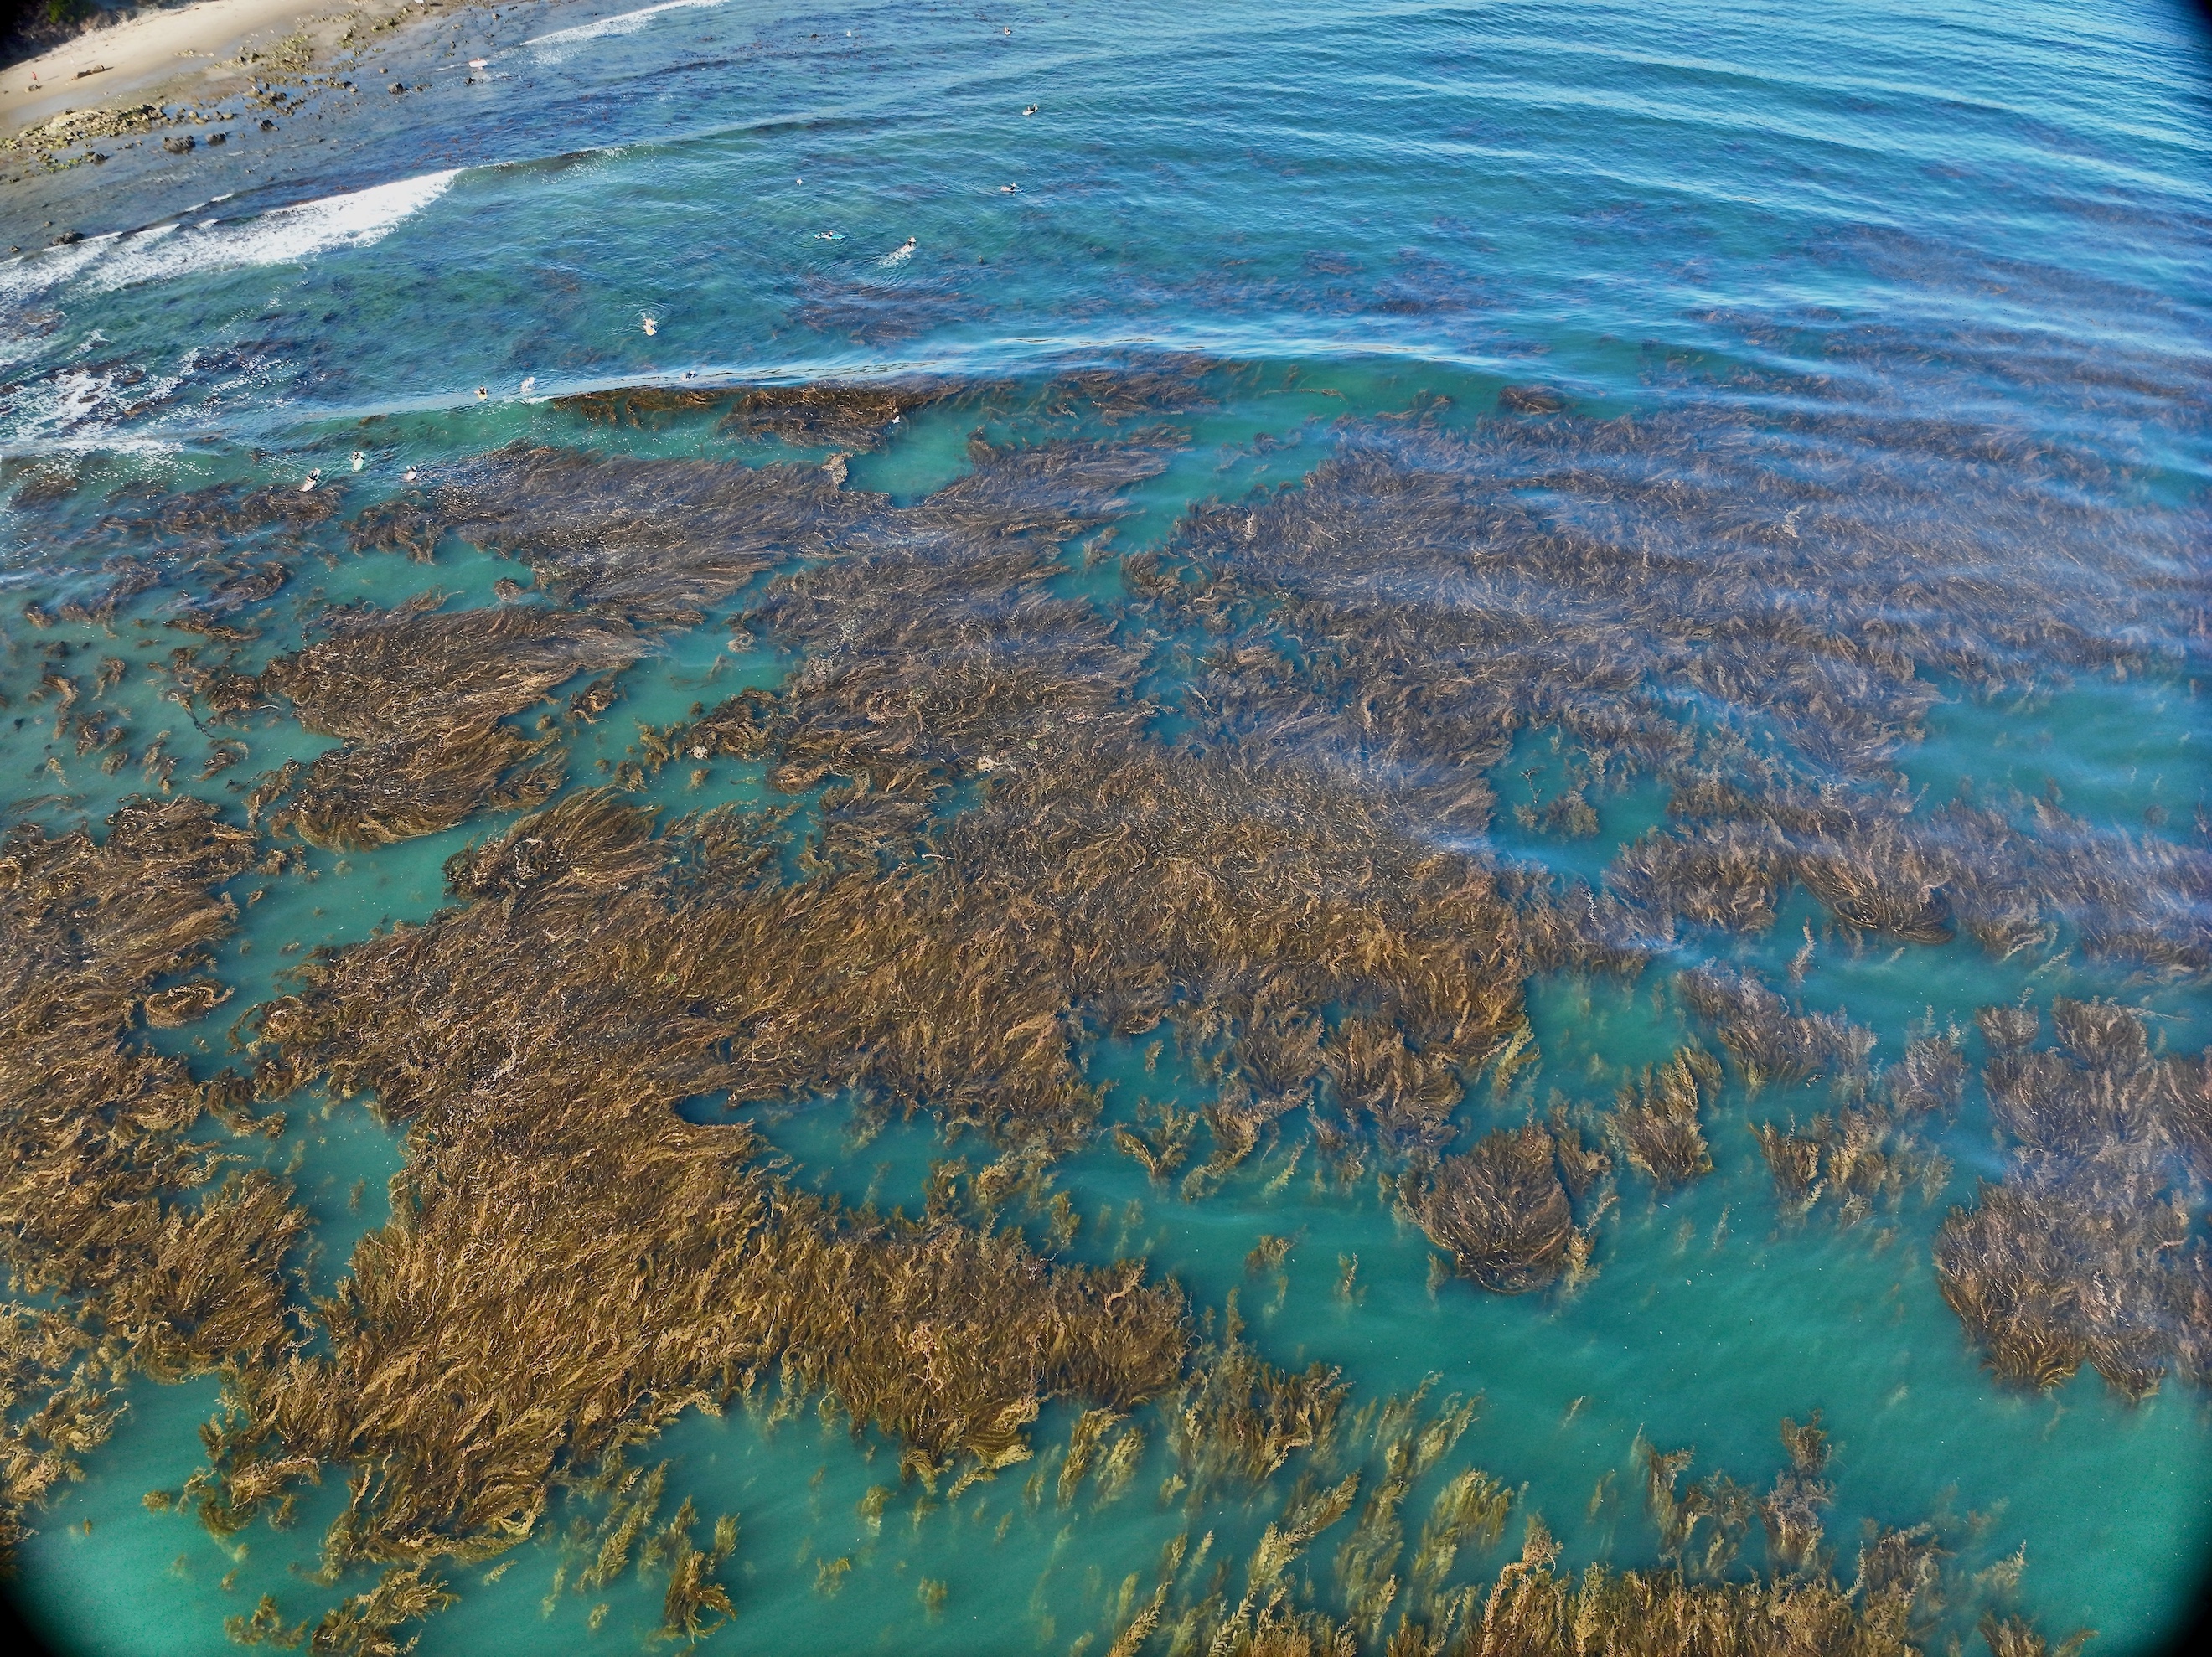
x: 1015, y: 793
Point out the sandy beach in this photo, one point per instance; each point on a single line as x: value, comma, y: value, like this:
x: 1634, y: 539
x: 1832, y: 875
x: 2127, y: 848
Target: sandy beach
x: 192, y: 52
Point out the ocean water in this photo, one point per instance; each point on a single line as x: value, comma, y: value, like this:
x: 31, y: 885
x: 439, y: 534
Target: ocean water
x: 1934, y: 274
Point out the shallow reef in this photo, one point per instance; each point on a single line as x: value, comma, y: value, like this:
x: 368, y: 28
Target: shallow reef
x: 1014, y: 794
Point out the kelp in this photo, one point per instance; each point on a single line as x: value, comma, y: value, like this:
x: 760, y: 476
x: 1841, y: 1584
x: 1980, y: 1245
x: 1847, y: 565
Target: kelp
x: 421, y: 697
x: 1699, y: 1600
x: 1758, y: 616
x: 1238, y: 1418
x: 655, y: 540
x: 645, y: 407
x: 1870, y: 1151
x: 2083, y: 1252
x: 1115, y: 885
x: 362, y: 1625
x: 95, y: 1166
x: 1368, y: 1578
x: 1242, y: 804
x: 1769, y: 1042
x: 826, y: 414
x: 2004, y: 872
x: 694, y: 1603
x: 1655, y: 1120
x: 55, y: 1405
x: 534, y: 1041
x: 1500, y: 1210
x: 1409, y: 603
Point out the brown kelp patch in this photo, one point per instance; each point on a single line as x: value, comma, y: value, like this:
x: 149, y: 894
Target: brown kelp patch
x: 2006, y: 876
x: 1241, y: 809
x: 55, y: 1405
x: 656, y: 541
x: 2083, y: 1252
x: 1656, y: 1121
x: 668, y: 966
x: 824, y: 414
x: 660, y: 541
x: 1762, y: 616
x: 926, y: 665
x: 95, y: 1164
x: 1906, y: 1593
x: 1116, y: 886
x: 534, y: 1041
x: 421, y: 697
x: 1501, y: 1210
x: 1239, y: 1419
x: 1769, y: 1042
x: 1665, y: 588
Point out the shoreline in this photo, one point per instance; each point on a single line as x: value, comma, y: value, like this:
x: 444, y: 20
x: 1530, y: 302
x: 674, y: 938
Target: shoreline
x: 197, y: 51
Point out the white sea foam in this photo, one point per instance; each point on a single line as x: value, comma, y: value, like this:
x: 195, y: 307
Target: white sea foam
x: 624, y: 24
x: 83, y: 407
x: 286, y: 235
x: 34, y: 273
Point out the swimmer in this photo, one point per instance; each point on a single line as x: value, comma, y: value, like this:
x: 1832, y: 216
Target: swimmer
x: 411, y: 472
x: 652, y: 327
x: 900, y: 254
x: 529, y: 384
x: 360, y: 458
x: 482, y: 392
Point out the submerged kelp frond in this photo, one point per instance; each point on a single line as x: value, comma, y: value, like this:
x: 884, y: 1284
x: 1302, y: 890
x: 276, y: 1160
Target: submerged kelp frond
x: 55, y: 1404
x: 1867, y: 1153
x: 1120, y: 884
x: 824, y: 414
x: 1500, y: 1210
x: 1880, y: 866
x: 1768, y: 1042
x: 420, y: 699
x: 2083, y: 1252
x: 1239, y: 1418
x: 1758, y: 616
x: 1243, y: 798
x: 1408, y: 602
x: 1657, y: 1118
x: 1903, y: 1583
x: 659, y: 541
x: 92, y: 1151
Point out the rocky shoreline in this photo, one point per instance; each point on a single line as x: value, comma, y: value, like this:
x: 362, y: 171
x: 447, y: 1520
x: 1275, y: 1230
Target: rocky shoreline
x: 296, y: 70
x: 219, y: 60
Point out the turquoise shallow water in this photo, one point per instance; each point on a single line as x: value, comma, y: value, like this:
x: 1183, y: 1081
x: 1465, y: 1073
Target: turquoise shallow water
x: 1982, y: 229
